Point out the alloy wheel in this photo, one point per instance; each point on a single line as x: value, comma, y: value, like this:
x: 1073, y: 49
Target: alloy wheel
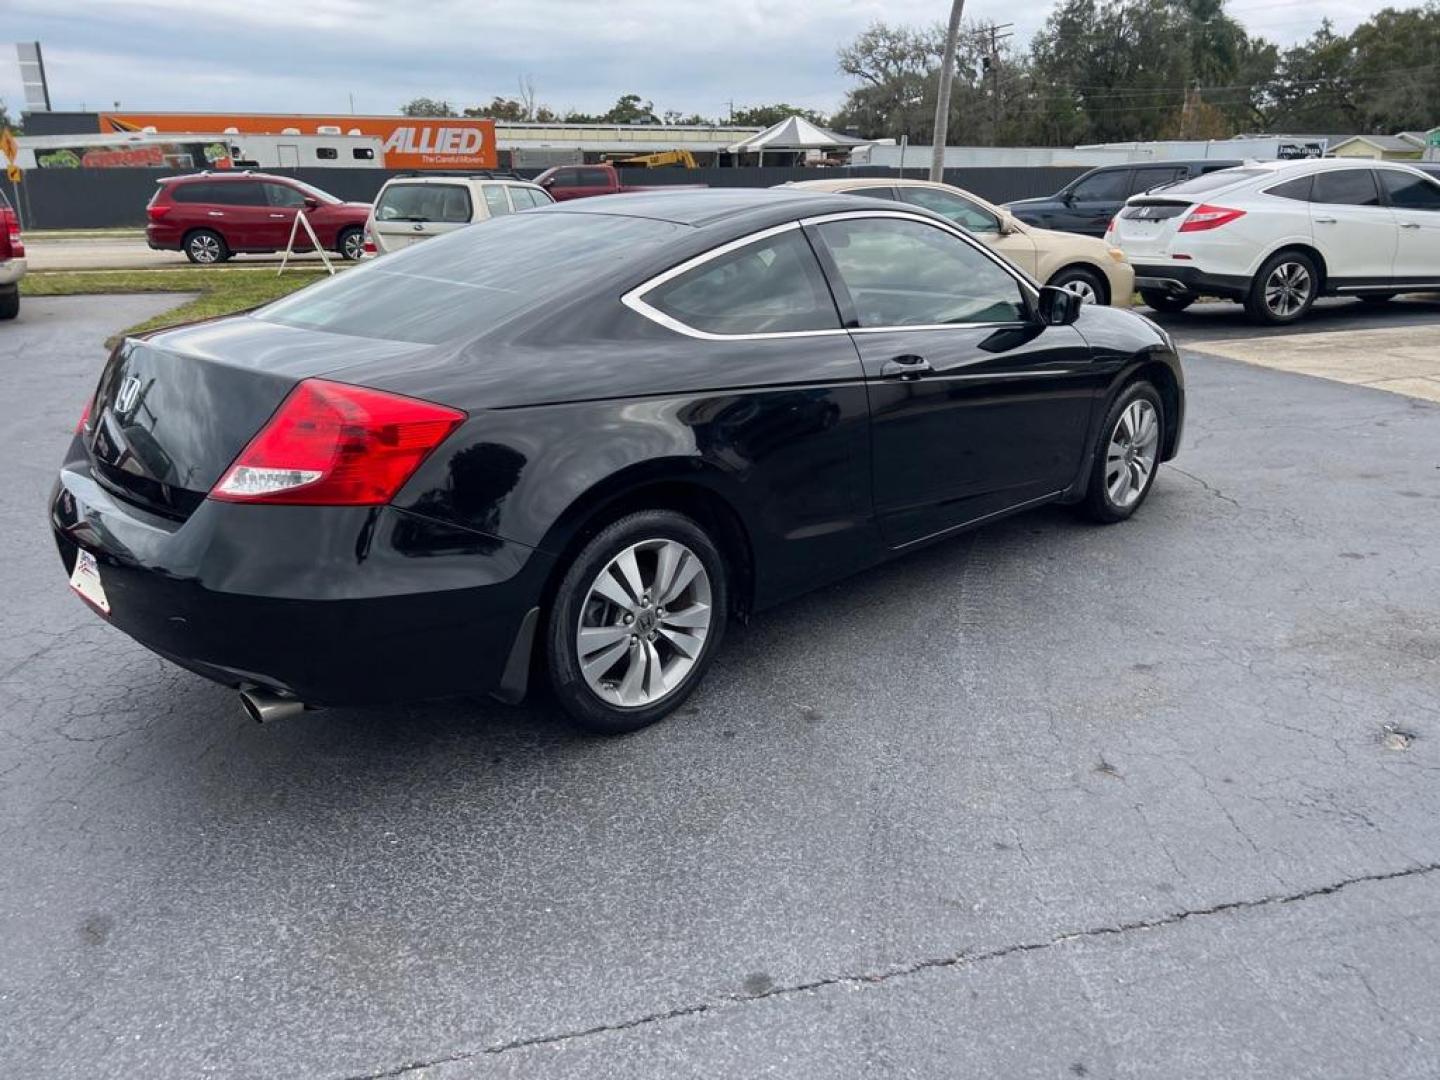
x: 1083, y: 289
x: 1132, y: 452
x: 354, y: 245
x: 205, y: 248
x: 644, y: 623
x: 1287, y: 289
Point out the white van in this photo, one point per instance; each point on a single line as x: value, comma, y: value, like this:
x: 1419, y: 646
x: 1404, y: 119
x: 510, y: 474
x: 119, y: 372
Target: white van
x: 413, y: 208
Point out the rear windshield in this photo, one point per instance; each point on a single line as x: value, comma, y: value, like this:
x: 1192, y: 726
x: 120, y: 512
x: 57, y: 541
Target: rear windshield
x: 469, y: 280
x: 424, y: 202
x: 1212, y: 181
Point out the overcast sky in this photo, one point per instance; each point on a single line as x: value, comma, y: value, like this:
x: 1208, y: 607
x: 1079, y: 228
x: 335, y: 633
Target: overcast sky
x: 311, y: 55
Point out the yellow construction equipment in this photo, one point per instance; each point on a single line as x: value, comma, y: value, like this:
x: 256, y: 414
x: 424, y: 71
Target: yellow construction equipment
x: 679, y: 158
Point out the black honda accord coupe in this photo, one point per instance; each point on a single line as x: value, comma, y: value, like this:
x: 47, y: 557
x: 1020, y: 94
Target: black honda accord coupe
x: 570, y: 445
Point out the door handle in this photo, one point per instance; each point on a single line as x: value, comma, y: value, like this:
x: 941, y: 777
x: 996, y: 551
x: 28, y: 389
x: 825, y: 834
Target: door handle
x: 278, y: 215
x: 217, y: 213
x: 906, y: 366
x: 1324, y: 221
x: 1409, y: 225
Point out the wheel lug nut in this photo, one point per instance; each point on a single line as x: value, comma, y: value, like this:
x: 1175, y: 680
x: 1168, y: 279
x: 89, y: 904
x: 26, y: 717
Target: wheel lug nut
x: 634, y: 639
x: 629, y: 619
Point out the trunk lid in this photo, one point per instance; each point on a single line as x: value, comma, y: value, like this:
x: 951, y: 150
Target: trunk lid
x: 1146, y: 225
x: 170, y: 415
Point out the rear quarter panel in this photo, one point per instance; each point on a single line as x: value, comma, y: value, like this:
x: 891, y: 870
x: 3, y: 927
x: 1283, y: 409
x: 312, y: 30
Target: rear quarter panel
x: 777, y: 428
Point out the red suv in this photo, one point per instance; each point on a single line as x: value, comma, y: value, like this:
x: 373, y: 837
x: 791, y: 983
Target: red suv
x: 12, y: 260
x: 212, y: 216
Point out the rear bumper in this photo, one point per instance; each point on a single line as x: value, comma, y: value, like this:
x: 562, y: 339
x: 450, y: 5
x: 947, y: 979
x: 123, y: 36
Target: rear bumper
x: 334, y: 605
x: 11, y: 271
x: 163, y: 237
x: 1189, y: 281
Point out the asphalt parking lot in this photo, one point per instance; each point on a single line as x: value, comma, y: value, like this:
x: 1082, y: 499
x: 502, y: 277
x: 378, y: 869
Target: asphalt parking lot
x: 1049, y: 800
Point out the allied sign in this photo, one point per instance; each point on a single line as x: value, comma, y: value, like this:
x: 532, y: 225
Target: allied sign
x: 411, y: 142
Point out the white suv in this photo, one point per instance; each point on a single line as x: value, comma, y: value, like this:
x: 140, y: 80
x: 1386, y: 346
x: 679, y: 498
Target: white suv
x: 413, y: 208
x: 1276, y: 235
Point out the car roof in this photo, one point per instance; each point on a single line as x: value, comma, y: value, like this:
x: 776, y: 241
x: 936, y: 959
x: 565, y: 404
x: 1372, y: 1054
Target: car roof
x: 227, y: 175
x: 452, y: 178
x: 748, y: 207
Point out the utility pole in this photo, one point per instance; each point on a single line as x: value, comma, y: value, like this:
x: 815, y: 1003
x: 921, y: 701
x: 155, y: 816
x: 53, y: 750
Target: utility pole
x: 991, y: 63
x: 942, y: 94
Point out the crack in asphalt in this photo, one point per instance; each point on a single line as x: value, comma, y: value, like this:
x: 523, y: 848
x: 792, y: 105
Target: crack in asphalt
x: 958, y: 960
x: 1204, y: 484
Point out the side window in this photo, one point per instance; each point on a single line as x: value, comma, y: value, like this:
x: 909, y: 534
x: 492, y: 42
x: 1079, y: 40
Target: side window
x: 363, y: 153
x: 871, y: 192
x: 540, y: 197
x: 1153, y: 176
x: 1346, y: 187
x: 593, y: 177
x: 904, y: 273
x: 1113, y: 186
x: 327, y: 153
x: 565, y: 178
x: 1297, y: 189
x: 958, y: 209
x: 495, y: 199
x: 771, y: 286
x: 237, y: 193
x: 284, y: 195
x: 193, y: 193
x: 1407, y: 191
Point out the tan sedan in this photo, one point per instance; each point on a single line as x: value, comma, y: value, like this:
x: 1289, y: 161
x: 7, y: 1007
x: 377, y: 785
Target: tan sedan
x: 1095, y: 271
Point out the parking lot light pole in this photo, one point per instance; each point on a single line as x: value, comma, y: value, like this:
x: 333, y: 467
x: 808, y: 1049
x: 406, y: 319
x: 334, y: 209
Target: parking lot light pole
x: 942, y: 95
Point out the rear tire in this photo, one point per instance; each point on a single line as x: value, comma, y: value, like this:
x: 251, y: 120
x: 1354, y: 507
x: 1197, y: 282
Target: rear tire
x: 1089, y: 285
x: 351, y: 244
x: 646, y: 643
x: 1282, y: 292
x: 10, y: 302
x: 206, y: 248
x: 1167, y: 302
x: 1127, y: 455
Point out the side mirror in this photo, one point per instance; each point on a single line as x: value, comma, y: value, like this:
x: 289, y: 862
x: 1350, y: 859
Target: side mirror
x: 1058, y: 307
x: 549, y: 181
x: 311, y: 203
x: 1008, y: 224
x: 1068, y: 198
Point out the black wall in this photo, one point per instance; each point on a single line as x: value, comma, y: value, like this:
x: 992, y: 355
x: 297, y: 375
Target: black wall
x: 101, y: 198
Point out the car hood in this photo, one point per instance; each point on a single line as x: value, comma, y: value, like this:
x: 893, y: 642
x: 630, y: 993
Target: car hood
x: 1044, y: 200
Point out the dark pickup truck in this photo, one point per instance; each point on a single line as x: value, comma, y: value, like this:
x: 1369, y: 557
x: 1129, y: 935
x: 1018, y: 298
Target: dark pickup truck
x: 581, y: 181
x: 1087, y: 203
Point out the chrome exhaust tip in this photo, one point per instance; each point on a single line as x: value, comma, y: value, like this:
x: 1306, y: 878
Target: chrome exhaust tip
x: 264, y: 707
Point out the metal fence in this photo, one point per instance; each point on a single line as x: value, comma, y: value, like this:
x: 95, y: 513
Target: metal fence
x: 104, y: 198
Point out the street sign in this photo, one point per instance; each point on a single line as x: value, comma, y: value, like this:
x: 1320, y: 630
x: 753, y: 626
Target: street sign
x: 9, y: 147
x: 14, y: 174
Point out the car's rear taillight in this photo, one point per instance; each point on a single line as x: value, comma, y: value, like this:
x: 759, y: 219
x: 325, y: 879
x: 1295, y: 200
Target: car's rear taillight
x: 370, y: 248
x: 1205, y: 217
x: 84, y: 417
x: 1111, y: 227
x: 156, y: 211
x: 331, y: 444
x: 10, y: 227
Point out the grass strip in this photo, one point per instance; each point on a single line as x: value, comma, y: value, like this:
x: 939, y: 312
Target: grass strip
x: 221, y: 292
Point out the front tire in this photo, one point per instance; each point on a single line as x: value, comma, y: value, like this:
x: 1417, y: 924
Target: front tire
x: 1127, y: 454
x: 1089, y: 285
x: 351, y: 244
x: 10, y: 302
x: 635, y: 622
x: 1282, y: 292
x: 206, y: 248
x: 1166, y: 302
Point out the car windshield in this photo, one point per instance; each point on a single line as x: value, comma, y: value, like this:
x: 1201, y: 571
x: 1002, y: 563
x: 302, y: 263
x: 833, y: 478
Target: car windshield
x: 311, y: 189
x: 1212, y: 181
x: 467, y: 281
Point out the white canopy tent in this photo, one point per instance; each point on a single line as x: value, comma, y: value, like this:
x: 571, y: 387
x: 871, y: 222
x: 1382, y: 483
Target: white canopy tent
x: 793, y: 134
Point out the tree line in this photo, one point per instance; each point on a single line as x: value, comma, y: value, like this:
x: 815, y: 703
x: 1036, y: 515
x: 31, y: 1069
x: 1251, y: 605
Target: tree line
x: 1098, y: 71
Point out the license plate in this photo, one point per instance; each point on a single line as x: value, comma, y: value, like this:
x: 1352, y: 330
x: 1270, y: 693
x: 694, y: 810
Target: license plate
x: 85, y: 580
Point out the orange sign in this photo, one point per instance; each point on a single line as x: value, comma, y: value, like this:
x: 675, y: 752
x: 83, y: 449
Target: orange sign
x: 411, y: 142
